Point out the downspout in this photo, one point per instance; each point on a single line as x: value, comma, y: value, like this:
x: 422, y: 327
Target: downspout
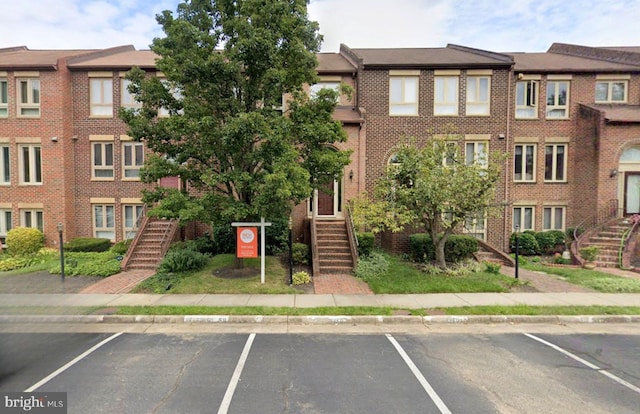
x: 506, y: 227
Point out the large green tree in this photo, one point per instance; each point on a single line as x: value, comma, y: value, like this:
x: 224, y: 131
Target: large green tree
x: 439, y: 185
x: 225, y: 67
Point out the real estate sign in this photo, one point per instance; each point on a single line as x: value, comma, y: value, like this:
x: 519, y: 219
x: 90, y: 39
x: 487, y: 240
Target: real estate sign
x: 247, y: 242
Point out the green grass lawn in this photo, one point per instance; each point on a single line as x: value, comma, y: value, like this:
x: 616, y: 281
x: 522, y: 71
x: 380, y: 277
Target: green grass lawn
x: 593, y: 279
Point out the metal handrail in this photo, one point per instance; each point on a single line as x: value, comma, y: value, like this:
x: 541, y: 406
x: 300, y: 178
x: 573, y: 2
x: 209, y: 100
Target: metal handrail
x: 353, y: 239
x: 315, y: 262
x: 595, y: 222
x: 624, y: 246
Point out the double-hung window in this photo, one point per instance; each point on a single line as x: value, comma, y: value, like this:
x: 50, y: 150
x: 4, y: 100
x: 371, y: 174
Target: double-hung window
x: 101, y: 97
x: 524, y: 163
x: 104, y: 221
x: 475, y: 225
x: 475, y: 152
x: 478, y: 95
x: 523, y: 218
x: 132, y: 214
x: 28, y: 97
x: 30, y: 164
x: 5, y: 225
x: 33, y: 218
x: 527, y: 99
x: 558, y: 99
x: 403, y: 92
x: 314, y: 89
x: 5, y: 165
x: 553, y: 218
x: 555, y: 162
x: 127, y: 99
x: 4, y: 98
x: 446, y: 95
x: 102, y: 160
x: 612, y: 89
x: 132, y: 159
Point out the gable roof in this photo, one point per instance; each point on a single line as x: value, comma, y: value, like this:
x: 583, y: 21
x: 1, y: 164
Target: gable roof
x: 21, y: 57
x: 562, y: 63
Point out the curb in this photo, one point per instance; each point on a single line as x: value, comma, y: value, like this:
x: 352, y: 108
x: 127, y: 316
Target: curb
x: 318, y: 320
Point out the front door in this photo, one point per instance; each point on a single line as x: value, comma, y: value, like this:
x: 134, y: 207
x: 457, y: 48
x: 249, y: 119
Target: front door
x: 326, y: 201
x: 631, y: 193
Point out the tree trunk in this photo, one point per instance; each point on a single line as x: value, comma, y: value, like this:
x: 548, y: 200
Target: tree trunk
x: 439, y: 243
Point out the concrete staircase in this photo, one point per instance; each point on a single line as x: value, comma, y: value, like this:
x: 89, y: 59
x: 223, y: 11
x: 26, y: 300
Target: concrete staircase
x: 152, y: 241
x: 334, y: 251
x: 608, y: 240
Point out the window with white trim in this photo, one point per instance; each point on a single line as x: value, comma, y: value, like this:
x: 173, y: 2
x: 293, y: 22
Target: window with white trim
x: 476, y: 153
x: 524, y: 163
x: 558, y: 99
x: 611, y: 91
x: 475, y: 225
x: 527, y: 99
x: 33, y: 218
x: 478, y: 95
x: 104, y: 221
x: 101, y: 97
x: 523, y: 218
x: 127, y: 99
x: 314, y: 89
x: 451, y: 154
x: 102, y: 164
x: 5, y: 225
x: 175, y: 92
x: 446, y: 95
x: 132, y: 159
x: 5, y: 165
x: 28, y: 97
x: 132, y: 216
x: 555, y: 162
x: 403, y: 95
x: 553, y: 218
x: 30, y: 164
x: 4, y: 98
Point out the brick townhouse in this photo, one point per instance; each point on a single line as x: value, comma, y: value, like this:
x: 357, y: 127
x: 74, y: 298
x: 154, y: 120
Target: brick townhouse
x: 569, y: 118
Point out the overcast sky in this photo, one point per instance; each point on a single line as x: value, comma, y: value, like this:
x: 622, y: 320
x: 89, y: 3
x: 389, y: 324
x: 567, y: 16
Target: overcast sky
x: 496, y: 25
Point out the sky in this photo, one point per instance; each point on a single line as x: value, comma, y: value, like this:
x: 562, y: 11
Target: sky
x: 495, y: 25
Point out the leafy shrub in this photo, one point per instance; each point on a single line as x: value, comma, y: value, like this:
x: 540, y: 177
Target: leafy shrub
x: 87, y: 244
x: 223, y: 239
x: 456, y: 248
x: 421, y: 247
x: 546, y: 241
x: 101, y: 264
x: 558, y: 235
x: 204, y: 244
x: 12, y: 263
x: 527, y: 244
x: 121, y: 247
x: 366, y: 242
x: 493, y: 268
x: 182, y: 260
x: 573, y: 230
x: 371, y: 267
x: 589, y: 253
x: 300, y: 278
x: 24, y: 241
x: 277, y: 236
x: 300, y: 253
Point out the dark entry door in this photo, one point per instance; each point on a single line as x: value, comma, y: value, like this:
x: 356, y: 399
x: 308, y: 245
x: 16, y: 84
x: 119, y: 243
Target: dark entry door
x: 631, y: 193
x: 326, y: 201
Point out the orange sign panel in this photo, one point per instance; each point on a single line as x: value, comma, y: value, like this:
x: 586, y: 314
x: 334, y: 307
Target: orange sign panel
x: 247, y: 242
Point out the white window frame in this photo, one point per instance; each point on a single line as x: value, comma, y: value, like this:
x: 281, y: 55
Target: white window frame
x: 524, y: 155
x: 446, y: 95
x: 521, y: 217
x: 609, y: 83
x: 5, y: 165
x: 407, y: 101
x: 132, y: 160
x: 29, y: 105
x: 555, y: 110
x: 551, y: 222
x: 127, y: 99
x: 33, y: 218
x: 105, y: 164
x: 129, y: 221
x: 4, y: 98
x: 164, y: 112
x: 527, y: 99
x: 480, y: 151
x: 552, y: 164
x: 476, y: 226
x: 101, y: 97
x: 30, y: 164
x: 476, y: 105
x: 104, y: 226
x: 317, y: 87
x: 6, y: 224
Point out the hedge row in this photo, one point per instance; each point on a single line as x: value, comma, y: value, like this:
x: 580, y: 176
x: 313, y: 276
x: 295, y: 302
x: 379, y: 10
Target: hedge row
x: 456, y: 248
x: 531, y: 243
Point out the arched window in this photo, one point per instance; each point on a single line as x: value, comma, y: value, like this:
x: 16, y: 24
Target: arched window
x: 631, y: 154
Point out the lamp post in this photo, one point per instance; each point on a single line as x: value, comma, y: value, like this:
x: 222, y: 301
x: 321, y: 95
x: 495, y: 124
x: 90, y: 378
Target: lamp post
x: 290, y: 250
x: 61, y: 251
x: 517, y: 249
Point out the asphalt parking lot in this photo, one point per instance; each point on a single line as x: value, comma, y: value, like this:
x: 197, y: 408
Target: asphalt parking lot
x: 474, y: 372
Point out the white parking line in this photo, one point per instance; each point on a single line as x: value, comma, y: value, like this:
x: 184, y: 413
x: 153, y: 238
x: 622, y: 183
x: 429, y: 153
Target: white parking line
x: 421, y: 379
x: 587, y: 363
x: 226, y: 401
x: 70, y: 363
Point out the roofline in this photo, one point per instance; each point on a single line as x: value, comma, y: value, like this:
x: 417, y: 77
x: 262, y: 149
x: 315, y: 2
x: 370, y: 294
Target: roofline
x: 13, y: 49
x: 100, y: 53
x: 486, y: 53
x: 595, y: 53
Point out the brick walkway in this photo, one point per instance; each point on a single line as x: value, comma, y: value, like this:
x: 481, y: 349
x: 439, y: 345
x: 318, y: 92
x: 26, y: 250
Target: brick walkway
x: 340, y: 285
x: 122, y: 282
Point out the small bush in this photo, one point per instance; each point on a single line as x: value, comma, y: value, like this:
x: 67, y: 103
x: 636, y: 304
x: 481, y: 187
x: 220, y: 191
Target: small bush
x: 366, y: 242
x: 182, y: 260
x: 101, y: 264
x: 559, y: 236
x: 204, y: 244
x: 300, y: 253
x: 527, y: 244
x: 459, y: 247
x: 300, y: 278
x: 371, y: 267
x: 121, y: 247
x: 493, y: 268
x: 571, y: 231
x: 546, y: 241
x: 421, y: 247
x: 87, y: 244
x: 223, y: 239
x: 589, y: 253
x: 23, y: 241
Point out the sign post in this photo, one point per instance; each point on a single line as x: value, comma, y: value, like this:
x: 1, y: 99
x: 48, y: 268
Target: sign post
x: 246, y: 245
